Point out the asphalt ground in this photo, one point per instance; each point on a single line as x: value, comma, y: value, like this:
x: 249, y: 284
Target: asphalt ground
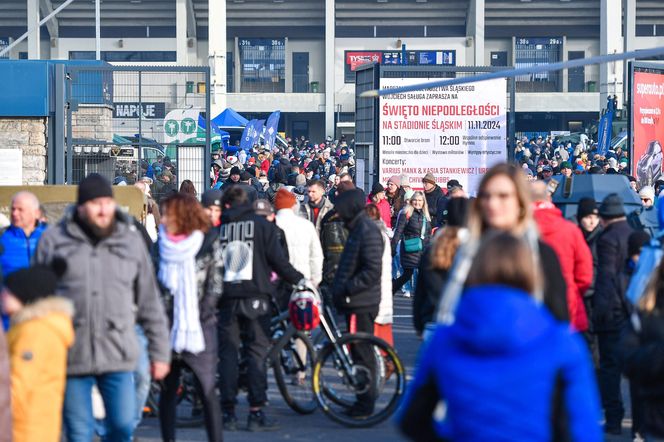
x: 316, y: 426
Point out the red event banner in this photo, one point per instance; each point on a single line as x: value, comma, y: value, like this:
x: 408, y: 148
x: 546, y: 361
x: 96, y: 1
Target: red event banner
x: 648, y: 126
x: 356, y: 59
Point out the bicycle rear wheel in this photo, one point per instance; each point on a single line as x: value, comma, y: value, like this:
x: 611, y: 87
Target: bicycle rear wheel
x: 339, y: 381
x: 293, y: 367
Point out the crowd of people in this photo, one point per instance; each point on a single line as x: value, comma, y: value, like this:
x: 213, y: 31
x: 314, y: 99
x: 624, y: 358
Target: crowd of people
x: 527, y: 342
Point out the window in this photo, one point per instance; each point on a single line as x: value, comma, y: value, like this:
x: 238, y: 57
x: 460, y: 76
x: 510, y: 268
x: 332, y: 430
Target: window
x: 262, y: 65
x: 126, y: 56
x: 534, y: 52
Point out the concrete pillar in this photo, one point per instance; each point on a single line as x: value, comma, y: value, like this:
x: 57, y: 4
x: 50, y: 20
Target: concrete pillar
x: 475, y: 29
x: 629, y: 32
x: 610, y: 42
x: 217, y: 54
x: 181, y: 32
x: 330, y: 24
x: 34, y: 52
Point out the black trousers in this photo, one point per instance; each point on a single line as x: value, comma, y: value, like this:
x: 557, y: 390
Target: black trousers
x: 204, y: 367
x: 236, y: 330
x: 401, y: 280
x: 363, y: 355
x: 609, y: 378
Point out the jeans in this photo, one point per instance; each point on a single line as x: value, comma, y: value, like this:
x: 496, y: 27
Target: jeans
x: 142, y: 378
x: 609, y: 378
x: 119, y: 394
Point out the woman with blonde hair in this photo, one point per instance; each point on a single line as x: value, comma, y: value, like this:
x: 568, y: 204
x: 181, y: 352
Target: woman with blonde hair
x: 412, y: 233
x: 506, y: 369
x: 503, y: 204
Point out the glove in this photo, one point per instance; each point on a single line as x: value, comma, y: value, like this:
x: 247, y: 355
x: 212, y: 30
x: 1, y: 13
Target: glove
x: 305, y: 284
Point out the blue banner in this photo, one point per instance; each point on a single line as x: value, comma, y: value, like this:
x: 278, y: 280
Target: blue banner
x: 605, y: 129
x: 258, y: 131
x: 246, y: 142
x: 271, y: 129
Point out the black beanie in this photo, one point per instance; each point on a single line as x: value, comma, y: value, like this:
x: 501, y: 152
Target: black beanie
x: 636, y: 240
x: 93, y: 186
x: 587, y: 206
x: 377, y: 188
x: 612, y: 207
x: 37, y: 282
x: 457, y: 212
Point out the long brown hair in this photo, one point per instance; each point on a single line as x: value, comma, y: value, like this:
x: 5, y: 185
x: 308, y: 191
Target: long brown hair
x: 445, y: 245
x: 476, y: 223
x: 506, y: 260
x: 187, y: 213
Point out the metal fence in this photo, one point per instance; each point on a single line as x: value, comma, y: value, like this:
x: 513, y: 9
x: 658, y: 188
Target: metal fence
x: 128, y: 122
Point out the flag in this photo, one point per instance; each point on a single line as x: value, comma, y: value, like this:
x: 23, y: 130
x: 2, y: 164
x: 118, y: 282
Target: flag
x: 271, y: 129
x: 248, y: 135
x: 605, y: 129
x: 258, y: 131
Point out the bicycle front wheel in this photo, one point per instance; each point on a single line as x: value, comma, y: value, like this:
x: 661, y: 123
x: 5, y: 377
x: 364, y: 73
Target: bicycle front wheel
x: 293, y: 369
x: 359, y: 380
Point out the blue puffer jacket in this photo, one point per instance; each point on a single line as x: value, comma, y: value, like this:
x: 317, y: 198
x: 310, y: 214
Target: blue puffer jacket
x: 17, y: 253
x: 507, y: 371
x: 18, y: 248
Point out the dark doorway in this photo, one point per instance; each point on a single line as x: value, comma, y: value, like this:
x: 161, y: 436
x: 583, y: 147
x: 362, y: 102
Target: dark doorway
x: 300, y: 72
x: 576, y: 77
x: 300, y: 128
x: 499, y: 58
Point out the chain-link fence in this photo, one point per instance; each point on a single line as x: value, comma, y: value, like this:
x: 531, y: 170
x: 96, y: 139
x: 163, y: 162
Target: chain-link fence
x: 128, y: 123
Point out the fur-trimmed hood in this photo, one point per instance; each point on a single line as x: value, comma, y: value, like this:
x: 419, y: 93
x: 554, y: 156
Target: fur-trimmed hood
x: 55, y: 312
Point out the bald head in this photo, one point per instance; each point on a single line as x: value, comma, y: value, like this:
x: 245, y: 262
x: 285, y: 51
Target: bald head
x: 539, y: 191
x: 25, y: 211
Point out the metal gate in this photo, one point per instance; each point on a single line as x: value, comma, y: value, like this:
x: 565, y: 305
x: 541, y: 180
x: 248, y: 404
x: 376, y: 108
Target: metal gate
x: 130, y: 122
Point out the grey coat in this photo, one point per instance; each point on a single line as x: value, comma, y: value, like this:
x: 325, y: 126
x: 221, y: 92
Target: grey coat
x: 113, y: 287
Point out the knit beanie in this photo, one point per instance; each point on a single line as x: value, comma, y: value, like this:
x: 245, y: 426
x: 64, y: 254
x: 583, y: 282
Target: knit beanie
x: 37, y: 282
x: 377, y: 188
x: 429, y: 178
x: 647, y: 192
x: 93, y: 186
x: 284, y: 200
x: 612, y: 207
x: 587, y: 206
x: 395, y: 179
x: 636, y: 241
x: 457, y: 212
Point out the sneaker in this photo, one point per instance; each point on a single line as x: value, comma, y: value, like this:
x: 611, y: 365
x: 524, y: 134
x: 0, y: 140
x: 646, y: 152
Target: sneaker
x: 258, y: 421
x: 230, y: 422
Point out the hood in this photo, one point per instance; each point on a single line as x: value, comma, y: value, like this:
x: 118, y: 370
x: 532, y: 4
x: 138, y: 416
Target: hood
x: 235, y: 213
x: 497, y: 319
x: 55, y: 311
x: 548, y: 219
x: 350, y: 203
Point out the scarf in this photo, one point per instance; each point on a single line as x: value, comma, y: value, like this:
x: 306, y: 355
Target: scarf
x: 177, y: 272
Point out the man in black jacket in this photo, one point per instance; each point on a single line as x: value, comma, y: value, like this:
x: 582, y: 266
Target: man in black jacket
x: 434, y: 195
x: 610, y: 311
x: 251, y: 251
x: 356, y: 291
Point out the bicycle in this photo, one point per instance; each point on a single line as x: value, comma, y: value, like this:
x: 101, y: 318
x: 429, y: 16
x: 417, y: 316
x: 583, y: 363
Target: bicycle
x: 338, y: 380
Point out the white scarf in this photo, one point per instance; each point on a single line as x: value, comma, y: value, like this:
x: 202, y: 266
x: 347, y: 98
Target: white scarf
x: 177, y: 272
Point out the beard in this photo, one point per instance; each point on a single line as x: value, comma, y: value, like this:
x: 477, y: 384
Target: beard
x: 102, y: 232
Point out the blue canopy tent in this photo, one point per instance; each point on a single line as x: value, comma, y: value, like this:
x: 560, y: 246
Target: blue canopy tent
x: 229, y: 120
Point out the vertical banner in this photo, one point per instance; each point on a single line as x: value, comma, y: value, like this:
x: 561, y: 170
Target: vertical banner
x: 605, y: 129
x: 271, y: 129
x: 258, y: 131
x: 648, y: 126
x: 246, y: 143
x: 453, y: 132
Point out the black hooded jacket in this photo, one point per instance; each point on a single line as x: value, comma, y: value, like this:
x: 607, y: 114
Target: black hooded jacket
x: 356, y: 288
x: 251, y: 250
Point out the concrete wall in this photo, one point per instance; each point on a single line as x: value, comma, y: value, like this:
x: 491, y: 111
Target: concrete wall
x: 28, y: 135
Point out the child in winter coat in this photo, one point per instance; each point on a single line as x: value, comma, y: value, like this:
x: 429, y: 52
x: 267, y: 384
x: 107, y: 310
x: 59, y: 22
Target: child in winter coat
x: 39, y: 337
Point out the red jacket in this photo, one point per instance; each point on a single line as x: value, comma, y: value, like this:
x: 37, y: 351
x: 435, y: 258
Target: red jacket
x: 384, y: 209
x: 576, y: 261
